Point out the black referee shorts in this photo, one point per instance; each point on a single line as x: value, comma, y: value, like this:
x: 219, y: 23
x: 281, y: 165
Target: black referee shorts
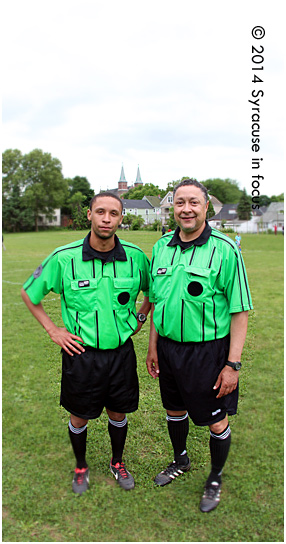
x: 188, y: 372
x: 100, y: 378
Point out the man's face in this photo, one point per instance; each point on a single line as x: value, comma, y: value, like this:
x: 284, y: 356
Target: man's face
x: 190, y: 209
x: 105, y: 216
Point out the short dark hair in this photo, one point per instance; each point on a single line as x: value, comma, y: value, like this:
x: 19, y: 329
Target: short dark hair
x: 194, y: 182
x: 105, y: 193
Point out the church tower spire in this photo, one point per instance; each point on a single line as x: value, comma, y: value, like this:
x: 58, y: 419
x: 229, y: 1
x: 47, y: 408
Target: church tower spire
x: 122, y: 184
x: 122, y: 175
x: 138, y: 178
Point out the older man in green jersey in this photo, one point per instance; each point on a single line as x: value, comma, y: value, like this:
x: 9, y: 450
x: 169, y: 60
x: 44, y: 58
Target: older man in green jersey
x: 200, y: 301
x: 98, y: 279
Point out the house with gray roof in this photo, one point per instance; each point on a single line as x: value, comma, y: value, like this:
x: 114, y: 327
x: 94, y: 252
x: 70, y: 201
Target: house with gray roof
x: 141, y: 208
x: 262, y: 219
x: 274, y: 215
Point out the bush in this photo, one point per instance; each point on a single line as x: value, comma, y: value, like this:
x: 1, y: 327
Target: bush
x: 137, y: 223
x: 228, y: 230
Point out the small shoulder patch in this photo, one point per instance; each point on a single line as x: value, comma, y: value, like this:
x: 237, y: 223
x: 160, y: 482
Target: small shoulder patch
x: 38, y: 272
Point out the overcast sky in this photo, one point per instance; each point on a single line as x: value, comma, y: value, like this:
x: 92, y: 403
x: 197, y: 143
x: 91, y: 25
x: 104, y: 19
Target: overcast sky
x: 163, y: 84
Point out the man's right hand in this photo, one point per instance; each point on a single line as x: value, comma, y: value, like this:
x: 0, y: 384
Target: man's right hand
x: 66, y: 340
x: 152, y: 363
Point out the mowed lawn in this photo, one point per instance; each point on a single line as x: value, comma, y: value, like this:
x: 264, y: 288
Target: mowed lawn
x: 38, y: 463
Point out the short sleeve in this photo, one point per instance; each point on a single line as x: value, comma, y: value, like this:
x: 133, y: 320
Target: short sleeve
x: 46, y: 278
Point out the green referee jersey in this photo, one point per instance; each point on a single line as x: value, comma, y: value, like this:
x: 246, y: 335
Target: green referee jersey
x: 195, y: 290
x: 98, y: 298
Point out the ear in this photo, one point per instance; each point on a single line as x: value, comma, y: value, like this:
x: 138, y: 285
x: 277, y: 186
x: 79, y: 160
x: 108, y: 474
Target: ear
x: 89, y: 214
x: 207, y: 205
x: 121, y: 219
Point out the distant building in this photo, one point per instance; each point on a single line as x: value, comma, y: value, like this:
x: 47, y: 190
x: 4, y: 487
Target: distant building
x: 140, y: 208
x: 146, y: 208
x: 55, y: 221
x: 217, y: 205
x: 262, y: 219
x: 123, y: 186
x: 274, y: 215
x: 166, y: 204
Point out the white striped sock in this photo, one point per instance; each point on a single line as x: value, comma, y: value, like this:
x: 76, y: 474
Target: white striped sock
x: 223, y: 435
x: 118, y: 423
x: 176, y: 418
x: 76, y: 430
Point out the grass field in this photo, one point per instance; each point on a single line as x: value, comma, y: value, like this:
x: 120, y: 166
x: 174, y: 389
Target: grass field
x: 38, y: 463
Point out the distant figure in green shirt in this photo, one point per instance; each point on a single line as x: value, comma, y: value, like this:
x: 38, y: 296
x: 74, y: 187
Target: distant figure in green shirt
x: 98, y: 279
x: 200, y: 301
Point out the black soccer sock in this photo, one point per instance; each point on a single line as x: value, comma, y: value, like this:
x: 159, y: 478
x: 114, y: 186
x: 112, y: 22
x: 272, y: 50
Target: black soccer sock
x: 78, y: 441
x: 178, y: 427
x: 117, y: 432
x: 219, y: 448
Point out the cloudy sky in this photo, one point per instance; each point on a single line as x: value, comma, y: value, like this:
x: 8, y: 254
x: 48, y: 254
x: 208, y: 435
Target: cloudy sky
x: 163, y: 84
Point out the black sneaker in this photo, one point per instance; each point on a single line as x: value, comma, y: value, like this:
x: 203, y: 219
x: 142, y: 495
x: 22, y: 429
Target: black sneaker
x: 124, y: 478
x: 80, y: 481
x: 211, y: 497
x: 171, y: 472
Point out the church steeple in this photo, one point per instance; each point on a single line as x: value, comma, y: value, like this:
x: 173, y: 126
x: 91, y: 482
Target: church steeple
x: 122, y: 175
x: 122, y: 184
x: 138, y: 178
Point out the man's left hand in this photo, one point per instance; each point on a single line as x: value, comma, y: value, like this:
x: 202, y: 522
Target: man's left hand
x: 227, y: 381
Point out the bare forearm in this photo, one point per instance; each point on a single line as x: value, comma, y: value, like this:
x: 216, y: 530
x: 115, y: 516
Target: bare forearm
x: 152, y: 357
x: 39, y: 313
x: 238, y: 329
x: 69, y: 342
x: 145, y: 306
x: 153, y: 337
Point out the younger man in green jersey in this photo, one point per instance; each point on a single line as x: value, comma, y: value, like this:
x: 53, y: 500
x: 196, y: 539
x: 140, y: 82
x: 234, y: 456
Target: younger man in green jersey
x: 200, y: 299
x: 98, y: 279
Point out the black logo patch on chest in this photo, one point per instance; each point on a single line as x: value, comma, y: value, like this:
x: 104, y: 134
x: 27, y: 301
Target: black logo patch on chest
x: 195, y: 288
x: 123, y: 298
x: 161, y: 271
x: 83, y: 283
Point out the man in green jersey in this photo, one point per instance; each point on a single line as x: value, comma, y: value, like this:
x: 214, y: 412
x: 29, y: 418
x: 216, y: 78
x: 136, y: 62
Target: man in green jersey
x: 98, y: 279
x: 200, y: 301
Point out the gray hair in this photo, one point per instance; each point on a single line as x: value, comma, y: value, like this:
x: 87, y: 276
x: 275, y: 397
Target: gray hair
x: 194, y: 182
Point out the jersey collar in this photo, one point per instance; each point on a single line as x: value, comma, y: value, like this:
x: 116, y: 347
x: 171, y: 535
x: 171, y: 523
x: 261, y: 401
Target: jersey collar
x: 200, y: 241
x: 88, y: 253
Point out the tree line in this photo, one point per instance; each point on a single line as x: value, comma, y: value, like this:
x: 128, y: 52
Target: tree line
x: 33, y: 185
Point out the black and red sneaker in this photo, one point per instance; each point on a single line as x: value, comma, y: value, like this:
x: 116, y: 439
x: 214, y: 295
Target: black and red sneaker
x: 80, y: 481
x: 124, y: 478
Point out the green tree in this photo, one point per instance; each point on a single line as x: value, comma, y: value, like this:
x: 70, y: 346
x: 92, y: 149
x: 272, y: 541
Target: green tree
x: 80, y: 183
x: 171, y: 221
x: 128, y: 219
x: 45, y: 187
x: 225, y: 190
x: 15, y: 215
x: 278, y: 198
x: 210, y: 212
x: 244, y: 207
x: 137, y: 223
x: 157, y: 225
x: 144, y: 190
x: 79, y: 211
x: 264, y: 200
x: 171, y: 185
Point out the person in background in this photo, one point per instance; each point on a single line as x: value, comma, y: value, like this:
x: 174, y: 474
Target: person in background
x: 238, y: 241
